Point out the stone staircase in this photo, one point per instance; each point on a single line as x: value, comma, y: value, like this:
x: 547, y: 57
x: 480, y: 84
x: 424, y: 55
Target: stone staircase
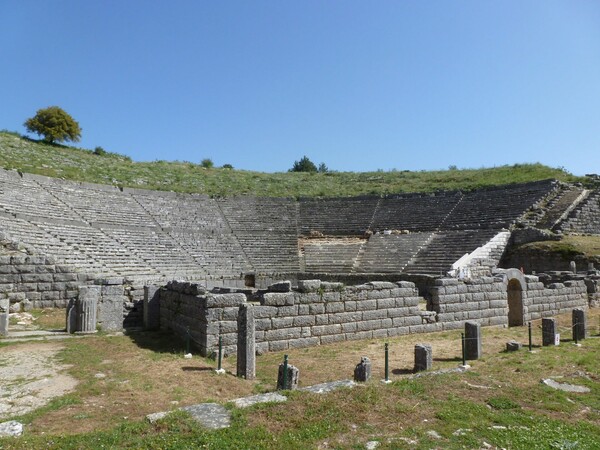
x: 484, y: 258
x: 445, y: 248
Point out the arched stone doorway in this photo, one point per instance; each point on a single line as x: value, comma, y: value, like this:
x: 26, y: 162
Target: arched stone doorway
x: 515, y: 303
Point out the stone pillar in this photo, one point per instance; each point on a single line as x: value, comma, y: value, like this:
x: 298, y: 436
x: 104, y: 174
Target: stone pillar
x: 573, y: 267
x: 579, y: 324
x: 292, y: 378
x: 87, y: 306
x: 151, y: 307
x: 472, y: 340
x: 549, y: 327
x: 71, y: 317
x: 362, y: 371
x: 246, y: 343
x: 423, y: 357
x: 4, y: 310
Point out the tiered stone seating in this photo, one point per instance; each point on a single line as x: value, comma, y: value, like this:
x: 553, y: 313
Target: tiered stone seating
x: 267, y: 230
x: 184, y: 211
x: 390, y: 253
x: 334, y: 255
x: 215, y: 253
x: 101, y: 205
x: 337, y: 216
x: 445, y: 248
x: 98, y: 246
x: 414, y: 212
x: 25, y: 197
x: 43, y: 242
x: 158, y: 249
x: 138, y: 234
x: 497, y: 207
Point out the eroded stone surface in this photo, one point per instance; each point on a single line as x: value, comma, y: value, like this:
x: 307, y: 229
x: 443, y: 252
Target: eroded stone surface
x: 245, y: 402
x: 30, y: 377
x: 566, y: 386
x: 328, y: 387
x: 11, y: 428
x: 210, y: 415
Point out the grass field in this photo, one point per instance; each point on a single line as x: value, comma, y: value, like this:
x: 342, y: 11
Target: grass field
x: 499, y: 402
x: 77, y: 164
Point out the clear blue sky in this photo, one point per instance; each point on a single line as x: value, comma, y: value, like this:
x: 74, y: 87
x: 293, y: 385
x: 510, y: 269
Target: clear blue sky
x: 359, y: 85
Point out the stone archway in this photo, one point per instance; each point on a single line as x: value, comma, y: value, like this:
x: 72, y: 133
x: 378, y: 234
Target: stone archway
x: 515, y: 303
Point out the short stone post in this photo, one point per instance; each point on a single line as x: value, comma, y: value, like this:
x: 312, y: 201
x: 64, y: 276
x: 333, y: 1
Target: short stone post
x: 87, y: 307
x: 573, y: 267
x: 151, y: 307
x: 291, y: 381
x: 4, y: 310
x: 513, y: 346
x: 472, y: 340
x: 579, y: 324
x: 423, y: 357
x: 246, y: 343
x: 362, y: 371
x: 549, y: 327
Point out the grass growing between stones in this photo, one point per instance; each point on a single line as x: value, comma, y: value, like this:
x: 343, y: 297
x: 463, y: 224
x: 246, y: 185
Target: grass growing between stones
x: 499, y: 401
x: 77, y: 164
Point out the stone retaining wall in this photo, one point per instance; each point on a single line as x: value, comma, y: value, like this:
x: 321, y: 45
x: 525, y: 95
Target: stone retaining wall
x: 318, y: 312
x: 557, y: 298
x: 38, y: 282
x: 482, y: 300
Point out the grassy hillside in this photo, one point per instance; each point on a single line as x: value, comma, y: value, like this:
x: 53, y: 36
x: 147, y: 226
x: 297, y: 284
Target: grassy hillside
x: 77, y: 164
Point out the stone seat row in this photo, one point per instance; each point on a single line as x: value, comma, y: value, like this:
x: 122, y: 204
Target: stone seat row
x: 336, y: 255
x: 390, y: 253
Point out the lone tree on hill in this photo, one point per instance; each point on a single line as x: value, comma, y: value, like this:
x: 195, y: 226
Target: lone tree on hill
x: 54, y: 124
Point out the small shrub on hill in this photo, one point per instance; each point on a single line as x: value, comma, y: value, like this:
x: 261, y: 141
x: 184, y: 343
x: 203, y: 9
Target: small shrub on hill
x: 207, y: 163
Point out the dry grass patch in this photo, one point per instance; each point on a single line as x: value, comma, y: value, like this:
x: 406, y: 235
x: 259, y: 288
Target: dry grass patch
x: 146, y: 372
x: 124, y: 379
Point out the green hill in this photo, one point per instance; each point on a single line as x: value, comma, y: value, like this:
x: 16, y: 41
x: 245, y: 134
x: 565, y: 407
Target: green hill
x: 77, y: 164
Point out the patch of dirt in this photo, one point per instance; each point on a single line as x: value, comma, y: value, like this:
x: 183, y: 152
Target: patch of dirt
x: 30, y: 377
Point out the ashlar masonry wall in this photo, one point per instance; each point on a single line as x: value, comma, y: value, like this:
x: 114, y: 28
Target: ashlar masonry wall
x: 324, y: 312
x: 317, y: 313
x: 38, y: 282
x: 544, y: 301
x: 482, y: 300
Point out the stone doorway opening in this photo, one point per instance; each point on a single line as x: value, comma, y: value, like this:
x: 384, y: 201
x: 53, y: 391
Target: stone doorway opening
x: 515, y: 303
